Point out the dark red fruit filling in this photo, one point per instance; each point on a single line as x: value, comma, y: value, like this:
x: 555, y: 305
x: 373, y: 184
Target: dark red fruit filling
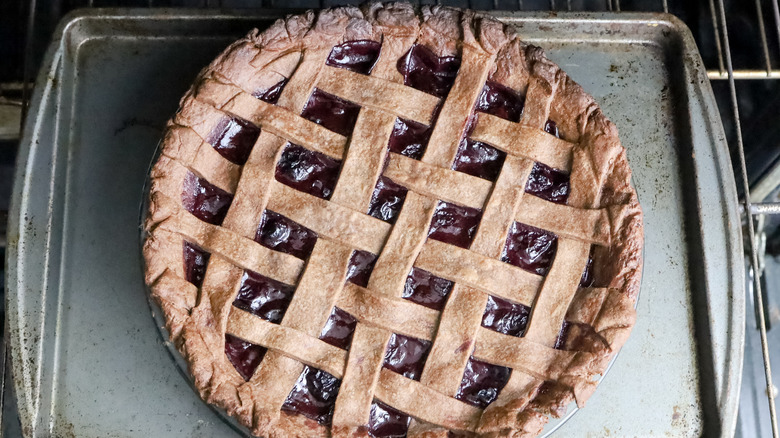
x: 282, y: 234
x: 332, y: 112
x: 387, y: 422
x: 409, y: 138
x: 501, y: 101
x: 360, y: 266
x: 454, y: 224
x: 387, y: 200
x: 314, y: 395
x: 357, y: 56
x: 204, y: 200
x: 308, y: 171
x: 263, y: 296
x: 244, y: 356
x: 425, y: 71
x: 548, y: 184
x: 481, y: 383
x: 426, y: 289
x: 406, y: 355
x: 588, y: 276
x: 530, y: 248
x: 551, y: 128
x: 505, y: 316
x: 479, y: 159
x: 195, y: 261
x: 339, y: 329
x: 272, y: 94
x: 234, y: 138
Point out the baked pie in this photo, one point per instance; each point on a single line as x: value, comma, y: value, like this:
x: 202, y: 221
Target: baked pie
x: 388, y: 221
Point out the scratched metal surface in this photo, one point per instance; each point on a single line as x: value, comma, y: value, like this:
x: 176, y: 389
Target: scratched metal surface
x: 87, y: 357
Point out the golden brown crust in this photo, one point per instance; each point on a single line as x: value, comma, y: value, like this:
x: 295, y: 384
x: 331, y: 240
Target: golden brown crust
x: 602, y: 209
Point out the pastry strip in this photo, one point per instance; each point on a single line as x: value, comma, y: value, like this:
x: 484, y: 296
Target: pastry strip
x: 484, y: 273
x: 557, y: 292
x: 409, y: 395
x: 591, y: 226
x: 436, y: 182
x: 379, y: 94
x: 353, y: 405
x: 394, y: 314
x: 523, y: 141
x: 287, y: 341
x: 204, y: 160
x: 329, y: 219
x: 455, y: 339
x: 403, y: 245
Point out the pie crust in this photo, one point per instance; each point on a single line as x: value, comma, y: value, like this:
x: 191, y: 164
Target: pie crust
x: 601, y: 220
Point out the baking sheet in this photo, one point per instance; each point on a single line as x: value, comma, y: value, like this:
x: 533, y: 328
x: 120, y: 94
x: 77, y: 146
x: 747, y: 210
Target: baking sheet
x: 86, y: 355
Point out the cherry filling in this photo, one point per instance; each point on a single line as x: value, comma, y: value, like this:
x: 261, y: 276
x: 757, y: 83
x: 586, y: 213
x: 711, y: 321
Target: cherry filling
x: 204, y: 200
x: 282, y: 234
x: 263, y: 296
x: 426, y: 289
x: 195, y: 261
x: 548, y: 184
x: 406, y: 355
x: 233, y: 138
x: 314, y: 395
x: 244, y: 356
x: 387, y: 200
x: 425, y: 71
x: 454, y: 224
x: 505, y: 316
x: 339, y: 329
x: 272, y: 94
x: 479, y: 159
x: 332, y: 112
x: 530, y: 248
x: 308, y: 171
x: 409, y: 138
x: 387, y: 422
x: 481, y: 383
x: 360, y: 266
x: 357, y: 56
x: 500, y: 101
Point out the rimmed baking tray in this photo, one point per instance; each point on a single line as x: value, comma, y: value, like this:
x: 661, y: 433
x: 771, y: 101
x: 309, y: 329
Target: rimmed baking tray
x: 86, y: 357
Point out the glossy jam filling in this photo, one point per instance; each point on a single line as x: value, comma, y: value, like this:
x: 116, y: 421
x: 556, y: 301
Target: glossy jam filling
x: 548, y: 184
x: 244, y: 356
x: 308, y: 171
x: 263, y: 296
x: 314, y: 395
x: 233, y: 138
x: 204, y: 200
x: 360, y: 266
x: 387, y: 200
x: 282, y: 234
x: 406, y: 355
x: 425, y: 71
x: 339, y: 329
x: 505, y: 316
x: 530, y: 248
x: 272, y: 94
x: 332, y: 112
x: 387, y: 422
x: 357, y: 56
x: 426, y: 289
x: 500, y: 101
x: 454, y: 224
x: 481, y: 383
x: 195, y: 261
x: 479, y: 159
x: 409, y: 138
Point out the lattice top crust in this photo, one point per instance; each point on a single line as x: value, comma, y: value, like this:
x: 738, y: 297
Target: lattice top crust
x: 292, y: 243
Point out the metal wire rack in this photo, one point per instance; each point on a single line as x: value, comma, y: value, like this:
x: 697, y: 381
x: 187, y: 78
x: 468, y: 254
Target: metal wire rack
x: 753, y: 207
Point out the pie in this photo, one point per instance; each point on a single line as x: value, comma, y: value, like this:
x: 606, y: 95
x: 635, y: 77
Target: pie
x: 388, y: 221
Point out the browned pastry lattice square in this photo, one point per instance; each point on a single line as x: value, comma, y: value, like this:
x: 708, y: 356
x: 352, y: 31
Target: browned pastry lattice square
x: 384, y: 221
